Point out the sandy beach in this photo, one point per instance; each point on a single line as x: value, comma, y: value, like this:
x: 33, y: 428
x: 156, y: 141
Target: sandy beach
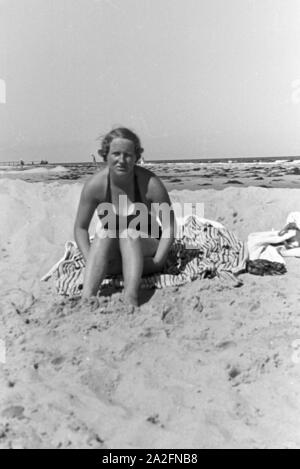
x: 206, y: 96
x: 198, y: 366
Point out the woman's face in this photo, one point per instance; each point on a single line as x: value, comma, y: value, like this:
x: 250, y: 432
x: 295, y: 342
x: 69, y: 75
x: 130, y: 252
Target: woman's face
x: 121, y: 158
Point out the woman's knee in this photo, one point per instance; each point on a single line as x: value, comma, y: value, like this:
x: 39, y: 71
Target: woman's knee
x: 130, y: 234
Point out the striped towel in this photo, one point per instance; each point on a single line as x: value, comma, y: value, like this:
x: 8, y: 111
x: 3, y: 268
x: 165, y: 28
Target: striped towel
x: 203, y: 251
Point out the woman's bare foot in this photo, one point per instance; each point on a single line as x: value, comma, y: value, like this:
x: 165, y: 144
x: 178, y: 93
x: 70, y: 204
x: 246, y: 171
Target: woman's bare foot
x: 131, y: 298
x: 92, y: 302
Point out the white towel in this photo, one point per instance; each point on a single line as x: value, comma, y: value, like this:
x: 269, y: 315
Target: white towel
x: 261, y: 245
x: 294, y: 217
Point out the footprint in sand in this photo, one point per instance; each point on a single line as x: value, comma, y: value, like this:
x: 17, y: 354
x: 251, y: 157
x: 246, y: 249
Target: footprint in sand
x: 244, y: 411
x: 101, y: 382
x: 57, y: 361
x: 15, y: 411
x: 170, y: 315
x: 226, y: 345
x: 233, y: 373
x: 255, y: 307
x: 195, y: 304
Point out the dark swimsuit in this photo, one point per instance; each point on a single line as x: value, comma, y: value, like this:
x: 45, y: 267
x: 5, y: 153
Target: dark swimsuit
x: 129, y: 218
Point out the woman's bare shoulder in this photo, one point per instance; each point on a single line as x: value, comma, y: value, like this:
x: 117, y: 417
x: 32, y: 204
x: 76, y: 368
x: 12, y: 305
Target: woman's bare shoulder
x: 142, y: 171
x: 95, y: 187
x: 155, y: 189
x: 145, y: 174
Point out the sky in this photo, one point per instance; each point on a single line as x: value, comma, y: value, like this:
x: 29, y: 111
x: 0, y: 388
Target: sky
x: 194, y: 78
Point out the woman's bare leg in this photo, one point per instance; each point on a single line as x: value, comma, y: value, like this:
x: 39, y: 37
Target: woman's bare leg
x: 105, y: 259
x: 102, y: 251
x: 132, y: 263
x: 134, y: 251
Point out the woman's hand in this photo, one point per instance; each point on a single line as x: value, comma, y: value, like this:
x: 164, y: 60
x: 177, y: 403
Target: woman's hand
x: 151, y: 266
x: 290, y: 226
x: 159, y: 195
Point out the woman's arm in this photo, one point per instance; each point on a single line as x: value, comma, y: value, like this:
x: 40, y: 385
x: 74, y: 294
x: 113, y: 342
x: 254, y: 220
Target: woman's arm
x: 87, y: 206
x: 158, y: 194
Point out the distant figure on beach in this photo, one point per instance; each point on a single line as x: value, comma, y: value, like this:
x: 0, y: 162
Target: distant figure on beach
x: 122, y: 246
x: 21, y: 163
x: 94, y: 160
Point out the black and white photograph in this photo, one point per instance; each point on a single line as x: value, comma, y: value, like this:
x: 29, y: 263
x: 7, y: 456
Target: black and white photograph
x: 149, y: 226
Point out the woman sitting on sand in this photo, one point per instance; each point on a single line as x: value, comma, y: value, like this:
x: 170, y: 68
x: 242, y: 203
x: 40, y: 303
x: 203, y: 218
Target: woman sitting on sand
x: 117, y: 247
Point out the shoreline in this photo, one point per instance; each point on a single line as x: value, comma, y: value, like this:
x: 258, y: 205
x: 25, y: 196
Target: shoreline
x: 182, y: 183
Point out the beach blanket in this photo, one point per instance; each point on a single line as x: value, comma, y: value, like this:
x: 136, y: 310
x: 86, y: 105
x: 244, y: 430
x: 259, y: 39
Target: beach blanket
x: 203, y: 251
